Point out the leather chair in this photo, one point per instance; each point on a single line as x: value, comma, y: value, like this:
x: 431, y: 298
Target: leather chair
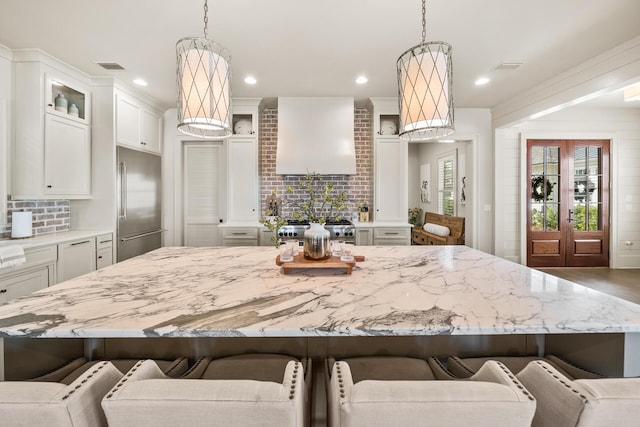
x: 244, y: 390
x: 389, y: 391
x: 563, y: 402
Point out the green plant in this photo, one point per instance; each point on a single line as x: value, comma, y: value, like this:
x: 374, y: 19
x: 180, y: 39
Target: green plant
x: 414, y: 216
x: 321, y: 202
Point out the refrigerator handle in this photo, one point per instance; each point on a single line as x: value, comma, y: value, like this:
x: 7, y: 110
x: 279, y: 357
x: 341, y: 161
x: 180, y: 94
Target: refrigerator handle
x: 123, y: 190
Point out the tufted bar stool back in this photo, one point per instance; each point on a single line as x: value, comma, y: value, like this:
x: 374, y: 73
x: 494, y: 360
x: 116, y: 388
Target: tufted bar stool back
x: 380, y: 391
x: 243, y: 390
x: 563, y: 402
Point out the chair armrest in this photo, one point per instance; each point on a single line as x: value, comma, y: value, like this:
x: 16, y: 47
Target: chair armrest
x: 559, y: 400
x: 45, y: 403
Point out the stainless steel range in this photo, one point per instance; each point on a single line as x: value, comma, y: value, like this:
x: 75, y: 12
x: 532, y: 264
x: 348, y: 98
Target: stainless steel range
x: 340, y: 230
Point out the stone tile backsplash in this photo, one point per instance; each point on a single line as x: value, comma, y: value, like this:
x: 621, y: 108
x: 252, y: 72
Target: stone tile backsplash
x: 49, y: 216
x: 359, y: 187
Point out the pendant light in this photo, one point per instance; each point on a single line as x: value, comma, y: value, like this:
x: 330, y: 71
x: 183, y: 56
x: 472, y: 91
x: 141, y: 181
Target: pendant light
x: 425, y: 97
x: 204, y: 86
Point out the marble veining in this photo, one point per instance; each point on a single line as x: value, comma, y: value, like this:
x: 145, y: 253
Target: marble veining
x: 240, y: 291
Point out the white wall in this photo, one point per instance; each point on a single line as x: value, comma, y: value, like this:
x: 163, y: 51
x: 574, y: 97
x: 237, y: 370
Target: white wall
x: 6, y: 101
x: 622, y: 127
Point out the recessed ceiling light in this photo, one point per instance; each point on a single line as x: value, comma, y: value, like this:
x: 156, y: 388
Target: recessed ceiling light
x: 632, y: 93
x: 361, y: 80
x: 250, y: 80
x: 482, y: 81
x: 140, y: 82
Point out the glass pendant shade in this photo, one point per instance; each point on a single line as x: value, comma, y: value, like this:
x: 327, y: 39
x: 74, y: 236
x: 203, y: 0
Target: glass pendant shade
x: 425, y: 97
x: 204, y: 88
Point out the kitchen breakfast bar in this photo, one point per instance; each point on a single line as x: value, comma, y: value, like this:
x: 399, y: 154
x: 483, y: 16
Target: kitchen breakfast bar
x: 413, y: 300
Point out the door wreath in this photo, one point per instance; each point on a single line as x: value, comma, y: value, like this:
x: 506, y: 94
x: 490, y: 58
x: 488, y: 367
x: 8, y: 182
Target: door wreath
x: 539, y: 187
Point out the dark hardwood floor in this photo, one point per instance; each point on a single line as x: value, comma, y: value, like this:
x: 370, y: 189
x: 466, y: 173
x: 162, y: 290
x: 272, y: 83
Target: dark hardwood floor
x: 622, y: 283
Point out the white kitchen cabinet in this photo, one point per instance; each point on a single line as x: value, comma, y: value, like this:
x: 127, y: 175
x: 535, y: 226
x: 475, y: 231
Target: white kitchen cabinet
x: 239, y: 236
x: 76, y: 258
x: 391, y: 158
x: 364, y: 236
x: 137, y: 124
x: 24, y: 284
x: 104, y: 250
x: 266, y: 237
x: 242, y: 155
x: 243, y: 193
x: 392, y: 236
x: 67, y: 157
x: 52, y: 145
x: 36, y: 273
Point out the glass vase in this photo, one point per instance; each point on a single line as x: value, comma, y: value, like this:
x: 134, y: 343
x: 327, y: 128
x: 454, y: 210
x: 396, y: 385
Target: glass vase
x: 316, y: 242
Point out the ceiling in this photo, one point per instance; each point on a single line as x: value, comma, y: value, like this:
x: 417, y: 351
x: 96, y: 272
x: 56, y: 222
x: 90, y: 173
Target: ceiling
x: 318, y: 48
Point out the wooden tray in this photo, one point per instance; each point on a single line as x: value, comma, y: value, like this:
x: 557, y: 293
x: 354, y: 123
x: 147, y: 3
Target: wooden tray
x: 299, y: 261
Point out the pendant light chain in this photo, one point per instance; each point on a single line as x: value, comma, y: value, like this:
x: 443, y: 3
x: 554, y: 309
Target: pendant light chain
x: 424, y: 22
x: 206, y: 19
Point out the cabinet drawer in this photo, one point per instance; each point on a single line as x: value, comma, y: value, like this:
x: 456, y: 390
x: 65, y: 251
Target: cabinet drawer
x: 240, y: 233
x: 391, y: 233
x: 392, y: 242
x: 239, y: 242
x: 41, y: 255
x: 104, y: 241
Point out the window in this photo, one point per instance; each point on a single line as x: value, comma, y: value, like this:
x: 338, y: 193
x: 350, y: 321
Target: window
x: 447, y: 184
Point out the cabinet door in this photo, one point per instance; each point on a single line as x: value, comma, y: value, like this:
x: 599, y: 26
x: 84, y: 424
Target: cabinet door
x: 76, y: 258
x: 127, y: 122
x: 364, y: 237
x: 391, y: 158
x: 151, y: 131
x: 243, y: 180
x: 104, y: 257
x: 67, y: 157
x: 24, y: 284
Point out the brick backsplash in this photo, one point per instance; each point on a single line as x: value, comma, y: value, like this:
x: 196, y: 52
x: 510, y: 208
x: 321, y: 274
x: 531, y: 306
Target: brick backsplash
x: 359, y: 187
x: 49, y: 216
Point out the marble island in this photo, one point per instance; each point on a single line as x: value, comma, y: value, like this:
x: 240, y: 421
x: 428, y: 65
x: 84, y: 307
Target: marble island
x: 241, y: 292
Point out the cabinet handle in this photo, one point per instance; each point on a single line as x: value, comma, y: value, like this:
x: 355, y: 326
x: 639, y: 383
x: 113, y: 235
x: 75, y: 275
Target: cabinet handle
x: 49, y: 186
x: 81, y: 243
x: 100, y: 257
x: 3, y: 291
x: 239, y: 234
x: 105, y: 241
x: 388, y: 233
x: 123, y: 190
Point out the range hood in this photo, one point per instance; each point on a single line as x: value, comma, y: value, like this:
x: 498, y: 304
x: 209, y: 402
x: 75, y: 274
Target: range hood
x: 315, y: 135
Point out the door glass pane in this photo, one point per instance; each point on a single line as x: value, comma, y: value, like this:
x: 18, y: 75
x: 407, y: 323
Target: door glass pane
x: 552, y: 187
x: 579, y: 161
x: 593, y: 189
x: 579, y: 216
x: 594, y: 156
x: 537, y: 160
x: 594, y: 217
x: 553, y: 165
x: 537, y: 223
x: 579, y: 189
x: 551, y: 215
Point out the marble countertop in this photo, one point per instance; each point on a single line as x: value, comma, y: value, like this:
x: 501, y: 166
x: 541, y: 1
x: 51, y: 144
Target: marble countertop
x: 240, y: 291
x: 52, y: 238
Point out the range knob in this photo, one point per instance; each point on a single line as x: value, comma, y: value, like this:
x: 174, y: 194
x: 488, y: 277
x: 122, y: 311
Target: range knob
x: 295, y: 234
x: 337, y: 233
x: 281, y: 234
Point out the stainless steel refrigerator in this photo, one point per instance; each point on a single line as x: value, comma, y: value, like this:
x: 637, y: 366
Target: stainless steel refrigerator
x: 139, y: 203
